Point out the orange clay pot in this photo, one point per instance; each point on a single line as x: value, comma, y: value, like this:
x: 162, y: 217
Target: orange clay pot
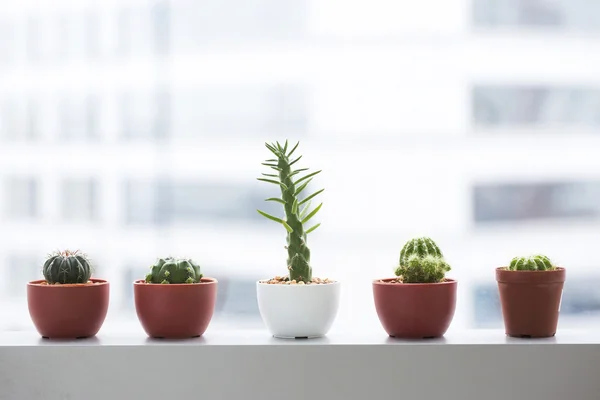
x: 68, y: 311
x: 530, y: 301
x: 173, y: 311
x: 415, y: 310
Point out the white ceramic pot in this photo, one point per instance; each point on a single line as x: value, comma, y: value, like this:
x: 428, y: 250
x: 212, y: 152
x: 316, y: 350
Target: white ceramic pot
x: 298, y: 311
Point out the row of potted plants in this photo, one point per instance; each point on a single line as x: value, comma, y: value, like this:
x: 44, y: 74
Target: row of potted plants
x: 176, y: 301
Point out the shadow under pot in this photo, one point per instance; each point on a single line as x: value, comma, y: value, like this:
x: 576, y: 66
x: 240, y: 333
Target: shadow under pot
x: 68, y: 311
x: 415, y: 310
x: 175, y: 311
x: 530, y: 301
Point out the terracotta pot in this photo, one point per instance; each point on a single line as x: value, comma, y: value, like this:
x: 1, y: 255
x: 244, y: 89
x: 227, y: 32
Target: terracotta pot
x: 530, y: 301
x: 175, y: 311
x: 68, y: 311
x: 415, y: 310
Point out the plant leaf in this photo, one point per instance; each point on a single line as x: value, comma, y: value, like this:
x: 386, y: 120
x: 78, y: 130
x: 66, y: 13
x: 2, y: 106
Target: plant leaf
x: 276, y: 169
x: 295, y: 161
x: 306, y: 177
x: 298, y: 171
x: 271, y: 175
x: 269, y: 165
x: 301, y: 188
x: 285, y: 147
x: 312, y: 213
x: 272, y: 160
x: 277, y: 199
x: 305, y: 210
x: 311, y: 196
x: 295, y: 206
x: 283, y: 185
x: 292, y: 151
x: 272, y: 149
x: 279, y: 146
x: 272, y: 218
x: 312, y: 228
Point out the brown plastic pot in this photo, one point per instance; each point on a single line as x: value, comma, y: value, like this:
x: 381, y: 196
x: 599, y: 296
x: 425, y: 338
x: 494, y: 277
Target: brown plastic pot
x: 68, y: 311
x: 175, y: 311
x: 530, y: 301
x: 415, y: 310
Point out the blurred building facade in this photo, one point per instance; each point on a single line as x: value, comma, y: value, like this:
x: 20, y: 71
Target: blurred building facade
x: 134, y: 130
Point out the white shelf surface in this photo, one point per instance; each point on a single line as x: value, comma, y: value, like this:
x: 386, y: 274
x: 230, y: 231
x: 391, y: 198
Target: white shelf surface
x: 256, y: 337
x: 250, y: 364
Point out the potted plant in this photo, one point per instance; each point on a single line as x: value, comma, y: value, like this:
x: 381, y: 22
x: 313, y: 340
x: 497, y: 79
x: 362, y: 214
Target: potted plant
x: 68, y: 302
x: 175, y: 300
x: 420, y: 301
x: 296, y: 305
x: 530, y: 294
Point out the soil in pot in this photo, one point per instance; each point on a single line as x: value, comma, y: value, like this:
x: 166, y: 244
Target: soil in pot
x: 68, y: 311
x: 175, y: 311
x: 530, y: 301
x: 284, y: 280
x: 415, y: 310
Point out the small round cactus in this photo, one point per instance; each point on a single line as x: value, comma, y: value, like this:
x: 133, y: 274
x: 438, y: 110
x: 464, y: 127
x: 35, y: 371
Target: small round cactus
x: 174, y: 270
x: 67, y: 267
x: 420, y: 246
x: 421, y: 261
x: 537, y: 262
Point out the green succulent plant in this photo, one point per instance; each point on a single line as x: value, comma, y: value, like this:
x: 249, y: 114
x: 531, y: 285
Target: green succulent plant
x: 421, y: 261
x: 67, y: 267
x: 174, y: 271
x: 297, y: 211
x: 536, y: 262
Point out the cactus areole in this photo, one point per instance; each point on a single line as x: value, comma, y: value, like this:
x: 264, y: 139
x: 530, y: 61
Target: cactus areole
x: 67, y: 267
x: 174, y: 271
x: 297, y: 211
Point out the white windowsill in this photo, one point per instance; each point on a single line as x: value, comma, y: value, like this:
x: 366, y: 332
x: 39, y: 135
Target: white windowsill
x: 249, y: 364
x: 260, y: 337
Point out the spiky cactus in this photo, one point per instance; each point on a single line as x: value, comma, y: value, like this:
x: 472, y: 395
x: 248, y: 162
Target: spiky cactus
x: 297, y: 211
x: 420, y: 246
x: 67, y: 267
x: 421, y: 261
x: 174, y: 270
x: 537, y: 262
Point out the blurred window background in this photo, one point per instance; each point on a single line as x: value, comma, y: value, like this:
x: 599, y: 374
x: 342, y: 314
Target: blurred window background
x: 135, y: 129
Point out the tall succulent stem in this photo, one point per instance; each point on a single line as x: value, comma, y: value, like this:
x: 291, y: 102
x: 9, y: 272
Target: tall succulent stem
x: 298, y: 260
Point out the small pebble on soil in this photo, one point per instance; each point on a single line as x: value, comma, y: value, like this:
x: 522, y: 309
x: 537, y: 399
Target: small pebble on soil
x: 284, y: 280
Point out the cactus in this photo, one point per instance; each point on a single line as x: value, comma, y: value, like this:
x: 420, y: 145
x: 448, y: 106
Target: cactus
x: 421, y: 261
x: 174, y: 270
x: 297, y: 211
x: 67, y: 267
x: 421, y: 246
x: 537, y: 262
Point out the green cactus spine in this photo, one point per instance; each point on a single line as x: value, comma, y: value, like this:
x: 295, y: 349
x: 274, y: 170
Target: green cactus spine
x: 67, y: 267
x: 174, y: 270
x: 297, y: 211
x: 420, y: 246
x: 537, y: 262
x: 421, y: 261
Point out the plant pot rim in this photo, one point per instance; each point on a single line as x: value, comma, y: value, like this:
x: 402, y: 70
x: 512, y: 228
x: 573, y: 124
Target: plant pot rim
x: 504, y: 275
x: 40, y: 283
x: 387, y: 282
x: 296, y: 285
x: 205, y: 280
x: 556, y: 270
